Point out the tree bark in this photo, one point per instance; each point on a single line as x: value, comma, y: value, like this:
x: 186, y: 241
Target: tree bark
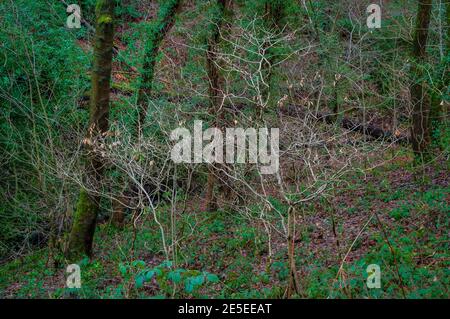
x: 82, y: 233
x: 274, y: 13
x: 420, y: 132
x: 165, y: 21
x: 442, y: 78
x: 293, y: 284
x: 215, y: 95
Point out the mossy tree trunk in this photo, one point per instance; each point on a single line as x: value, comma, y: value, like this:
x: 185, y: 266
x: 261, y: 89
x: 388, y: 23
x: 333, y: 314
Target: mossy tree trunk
x: 82, y: 233
x: 165, y: 21
x: 420, y: 132
x: 215, y: 84
x: 273, y: 16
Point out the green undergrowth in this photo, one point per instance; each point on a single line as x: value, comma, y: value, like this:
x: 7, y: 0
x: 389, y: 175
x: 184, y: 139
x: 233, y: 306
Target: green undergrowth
x: 227, y: 254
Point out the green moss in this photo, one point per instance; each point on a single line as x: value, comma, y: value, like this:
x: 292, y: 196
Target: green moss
x: 104, y: 19
x: 83, y: 226
x: 124, y: 87
x: 156, y: 35
x: 99, y: 6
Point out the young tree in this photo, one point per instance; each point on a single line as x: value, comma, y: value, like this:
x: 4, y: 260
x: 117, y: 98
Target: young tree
x: 274, y: 15
x: 81, y: 236
x: 420, y: 133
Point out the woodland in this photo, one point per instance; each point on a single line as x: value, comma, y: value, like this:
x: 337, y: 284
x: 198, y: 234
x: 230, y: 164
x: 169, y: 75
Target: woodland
x: 355, y: 95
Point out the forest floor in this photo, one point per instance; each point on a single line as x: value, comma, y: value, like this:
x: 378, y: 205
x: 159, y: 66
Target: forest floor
x: 393, y: 217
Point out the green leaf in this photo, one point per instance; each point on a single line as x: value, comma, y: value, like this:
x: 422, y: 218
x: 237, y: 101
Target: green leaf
x: 138, y: 264
x: 139, y: 281
x: 122, y: 269
x: 194, y: 282
x: 175, y: 276
x: 212, y: 277
x: 149, y: 274
x: 198, y: 281
x: 158, y: 271
x: 189, y: 287
x: 166, y: 264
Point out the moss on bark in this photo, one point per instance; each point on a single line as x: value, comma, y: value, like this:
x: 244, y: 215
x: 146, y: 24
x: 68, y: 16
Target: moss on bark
x: 159, y: 30
x: 81, y: 236
x: 82, y: 233
x: 165, y: 21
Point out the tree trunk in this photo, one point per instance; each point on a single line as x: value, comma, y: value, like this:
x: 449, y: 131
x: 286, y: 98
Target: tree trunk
x: 210, y: 199
x: 165, y: 21
x: 439, y: 96
x: 118, y: 211
x: 293, y: 285
x: 215, y: 96
x: 274, y: 13
x: 420, y: 132
x: 82, y: 233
